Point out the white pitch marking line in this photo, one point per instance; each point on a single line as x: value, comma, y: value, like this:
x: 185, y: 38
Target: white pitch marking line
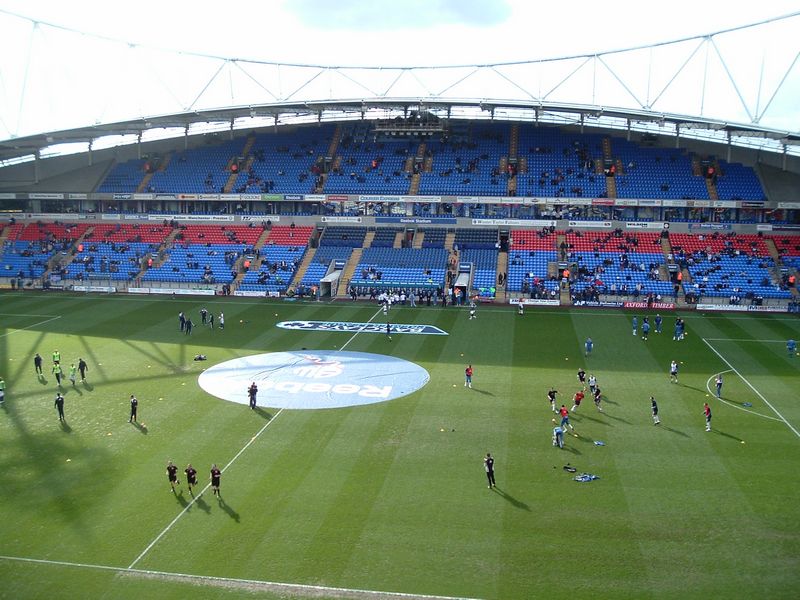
x: 278, y: 584
x: 746, y: 340
x: 208, y: 485
x: 363, y: 327
x: 25, y: 315
x: 750, y: 385
x: 30, y: 326
x: 708, y: 387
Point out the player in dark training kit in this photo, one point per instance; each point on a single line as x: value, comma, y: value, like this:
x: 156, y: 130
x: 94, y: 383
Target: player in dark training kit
x: 215, y: 477
x: 134, y: 408
x: 172, y: 476
x: 191, y: 477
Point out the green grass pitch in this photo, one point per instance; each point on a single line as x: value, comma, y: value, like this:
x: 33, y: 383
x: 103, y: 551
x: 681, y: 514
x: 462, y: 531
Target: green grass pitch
x: 392, y: 497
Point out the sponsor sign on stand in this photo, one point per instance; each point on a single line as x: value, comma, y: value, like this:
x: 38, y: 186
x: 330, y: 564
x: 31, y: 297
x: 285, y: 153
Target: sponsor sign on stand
x: 78, y: 196
x: 314, y: 379
x: 144, y: 196
x: 595, y: 304
x: 337, y: 198
x: 110, y: 217
x: 94, y: 288
x: 334, y: 219
x: 715, y: 226
x: 7, y: 196
x: 742, y: 308
x: 591, y: 224
x: 256, y: 294
x: 251, y: 196
x: 535, y: 302
x: 652, y: 305
x: 514, y: 222
x: 315, y: 197
x: 260, y: 218
x: 169, y: 291
x: 41, y: 196
x: 188, y: 217
x: 646, y: 225
x: 293, y: 197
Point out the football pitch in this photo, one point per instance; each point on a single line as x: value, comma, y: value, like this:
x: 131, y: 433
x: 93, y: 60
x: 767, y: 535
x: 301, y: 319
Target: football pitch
x: 388, y: 498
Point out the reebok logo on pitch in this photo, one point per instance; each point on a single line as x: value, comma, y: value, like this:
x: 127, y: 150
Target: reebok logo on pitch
x: 322, y: 379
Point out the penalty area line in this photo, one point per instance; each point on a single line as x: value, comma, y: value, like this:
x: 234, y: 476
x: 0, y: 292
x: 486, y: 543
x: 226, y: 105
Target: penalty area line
x: 750, y: 385
x: 295, y: 589
x: 203, y: 491
x: 732, y: 404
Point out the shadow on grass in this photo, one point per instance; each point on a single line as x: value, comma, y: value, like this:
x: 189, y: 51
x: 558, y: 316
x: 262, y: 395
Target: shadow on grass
x: 141, y: 428
x: 679, y: 432
x: 617, y: 419
x: 727, y: 435
x: 584, y: 416
x: 42, y: 379
x: 88, y: 386
x: 508, y: 498
x: 65, y: 427
x: 179, y: 497
x: 73, y: 388
x: 202, y: 505
x: 228, y: 509
x: 484, y: 392
x: 571, y: 449
x: 263, y: 413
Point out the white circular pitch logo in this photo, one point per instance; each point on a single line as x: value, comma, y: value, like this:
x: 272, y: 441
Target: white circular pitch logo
x: 314, y: 379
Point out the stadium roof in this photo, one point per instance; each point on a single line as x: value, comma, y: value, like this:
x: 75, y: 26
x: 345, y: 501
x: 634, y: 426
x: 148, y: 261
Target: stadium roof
x: 696, y: 87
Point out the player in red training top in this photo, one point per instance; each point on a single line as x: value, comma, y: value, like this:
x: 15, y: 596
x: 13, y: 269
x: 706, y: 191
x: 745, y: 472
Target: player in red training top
x: 577, y: 399
x: 468, y: 376
x: 565, y: 418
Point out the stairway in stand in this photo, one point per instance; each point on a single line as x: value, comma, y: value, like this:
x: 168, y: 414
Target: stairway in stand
x: 347, y: 273
x: 419, y: 236
x: 502, y: 267
x: 59, y: 260
x: 368, y: 239
x: 308, y: 257
x: 248, y: 145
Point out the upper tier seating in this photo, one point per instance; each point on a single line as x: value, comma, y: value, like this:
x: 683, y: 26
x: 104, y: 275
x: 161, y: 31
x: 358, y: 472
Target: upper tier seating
x: 551, y: 162
x: 124, y: 177
x: 367, y: 166
x: 285, y: 162
x: 656, y: 173
x: 738, y: 182
x: 468, y: 167
x: 560, y: 164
